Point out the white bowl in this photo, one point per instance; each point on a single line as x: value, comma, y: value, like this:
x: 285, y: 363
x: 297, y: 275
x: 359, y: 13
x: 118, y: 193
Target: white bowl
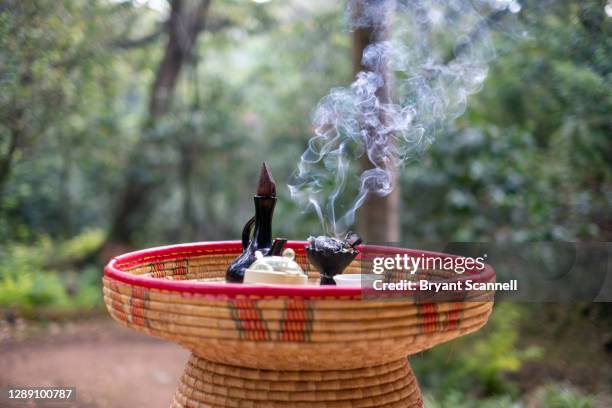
x: 356, y: 279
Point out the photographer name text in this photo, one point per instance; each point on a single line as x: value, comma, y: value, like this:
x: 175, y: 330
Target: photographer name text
x: 425, y: 285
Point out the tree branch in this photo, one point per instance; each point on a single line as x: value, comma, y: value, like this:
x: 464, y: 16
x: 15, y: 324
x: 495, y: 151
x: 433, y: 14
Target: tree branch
x: 139, y: 42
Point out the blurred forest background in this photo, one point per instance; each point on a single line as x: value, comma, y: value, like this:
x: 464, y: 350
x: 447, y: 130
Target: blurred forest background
x: 128, y: 124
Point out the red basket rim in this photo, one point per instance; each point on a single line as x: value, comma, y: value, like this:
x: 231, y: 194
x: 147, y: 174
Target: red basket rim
x: 152, y: 255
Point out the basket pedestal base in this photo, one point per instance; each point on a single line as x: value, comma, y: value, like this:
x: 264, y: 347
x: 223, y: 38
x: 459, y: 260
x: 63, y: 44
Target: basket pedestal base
x: 208, y: 384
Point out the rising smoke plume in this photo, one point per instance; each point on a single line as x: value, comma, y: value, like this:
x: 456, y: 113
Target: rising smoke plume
x: 436, y: 55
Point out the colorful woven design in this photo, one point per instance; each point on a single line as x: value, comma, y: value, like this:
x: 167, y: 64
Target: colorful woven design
x: 291, y: 332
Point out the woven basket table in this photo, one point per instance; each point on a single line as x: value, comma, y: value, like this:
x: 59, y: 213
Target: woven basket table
x: 282, y: 346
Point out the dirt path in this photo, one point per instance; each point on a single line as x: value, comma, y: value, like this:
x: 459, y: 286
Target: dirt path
x: 110, y: 366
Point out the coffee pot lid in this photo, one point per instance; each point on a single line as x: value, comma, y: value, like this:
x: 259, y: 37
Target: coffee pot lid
x: 283, y: 264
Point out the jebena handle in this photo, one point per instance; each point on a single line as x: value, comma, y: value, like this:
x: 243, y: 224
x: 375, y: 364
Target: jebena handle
x: 246, y: 233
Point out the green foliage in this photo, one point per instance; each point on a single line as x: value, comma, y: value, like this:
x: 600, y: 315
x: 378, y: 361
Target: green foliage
x: 550, y: 396
x: 474, y: 371
x: 559, y: 396
x: 85, y: 243
x: 60, y: 105
x: 530, y: 160
x: 256, y: 77
x: 458, y: 399
x: 87, y: 289
x: 28, y: 282
x: 477, y: 363
x: 25, y: 283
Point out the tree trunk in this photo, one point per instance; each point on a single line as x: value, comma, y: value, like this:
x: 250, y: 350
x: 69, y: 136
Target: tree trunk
x: 6, y: 161
x: 187, y: 20
x: 17, y: 128
x: 378, y: 219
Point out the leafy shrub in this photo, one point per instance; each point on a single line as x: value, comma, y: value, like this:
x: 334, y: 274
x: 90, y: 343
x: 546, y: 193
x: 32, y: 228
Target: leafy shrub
x: 550, y: 396
x: 561, y: 396
x: 459, y: 400
x: 27, y: 282
x: 23, y: 280
x: 82, y: 244
x: 477, y: 362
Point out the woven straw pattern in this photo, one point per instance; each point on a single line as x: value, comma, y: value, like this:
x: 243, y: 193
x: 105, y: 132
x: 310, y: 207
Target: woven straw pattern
x: 207, y: 384
x: 280, y: 350
x: 284, y: 333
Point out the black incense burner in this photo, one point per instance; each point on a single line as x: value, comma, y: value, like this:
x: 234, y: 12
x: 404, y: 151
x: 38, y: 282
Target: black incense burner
x: 331, y: 256
x: 257, y: 232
